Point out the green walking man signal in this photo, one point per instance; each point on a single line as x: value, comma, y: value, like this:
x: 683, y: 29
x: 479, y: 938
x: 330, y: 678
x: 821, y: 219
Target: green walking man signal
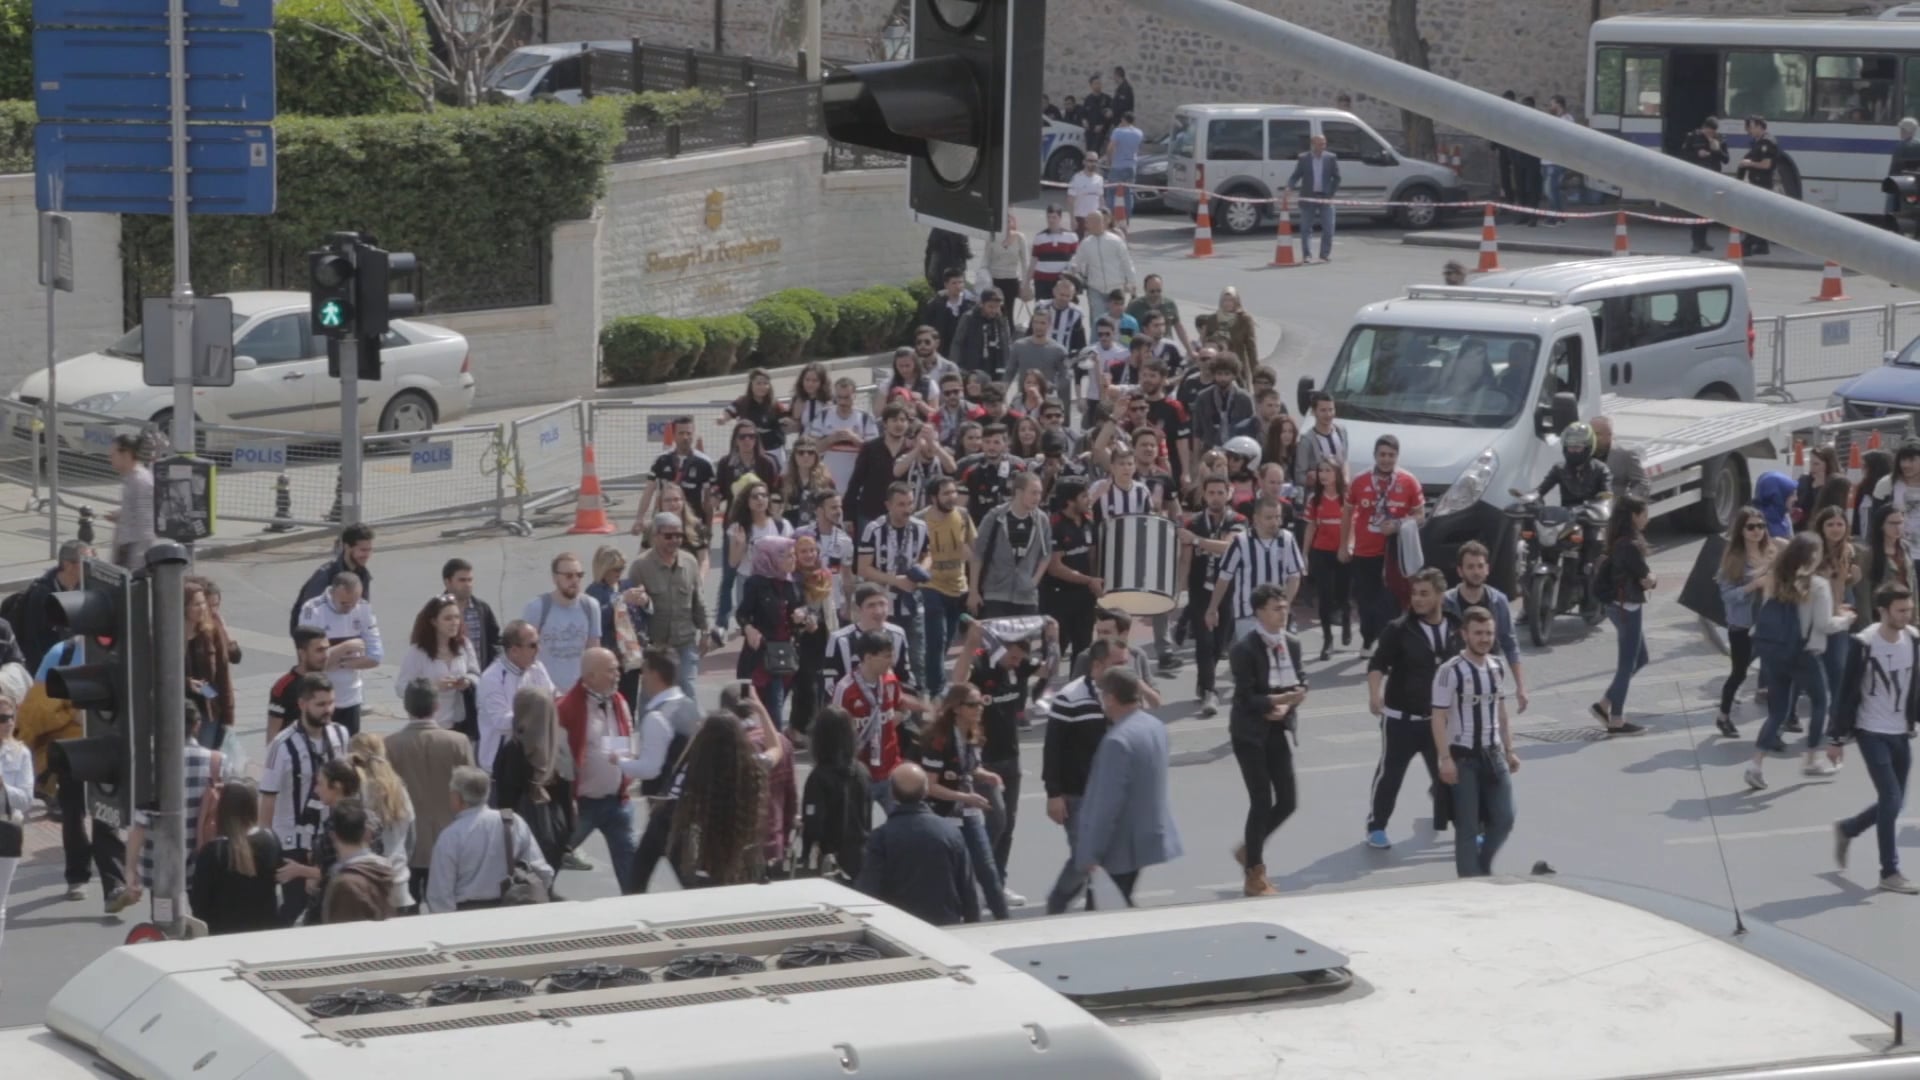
x: 331, y: 315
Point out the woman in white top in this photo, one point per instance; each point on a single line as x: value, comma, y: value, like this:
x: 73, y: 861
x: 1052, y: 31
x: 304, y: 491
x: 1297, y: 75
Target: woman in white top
x: 1009, y: 264
x: 388, y: 802
x: 16, y: 778
x: 439, y: 654
x: 1796, y: 579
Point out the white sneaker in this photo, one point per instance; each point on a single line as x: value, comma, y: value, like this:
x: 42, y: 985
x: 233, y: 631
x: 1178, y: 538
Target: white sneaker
x: 1755, y: 780
x: 1819, y: 767
x: 1899, y: 884
x: 1014, y: 899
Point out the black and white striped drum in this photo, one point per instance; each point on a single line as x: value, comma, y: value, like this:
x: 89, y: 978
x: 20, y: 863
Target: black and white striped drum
x: 1139, y: 556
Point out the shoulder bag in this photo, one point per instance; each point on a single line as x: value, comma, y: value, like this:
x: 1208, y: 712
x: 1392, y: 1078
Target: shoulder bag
x: 522, y: 886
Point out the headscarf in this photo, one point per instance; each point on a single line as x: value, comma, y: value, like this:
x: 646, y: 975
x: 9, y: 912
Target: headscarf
x: 1772, y: 495
x: 767, y: 553
x: 536, y: 726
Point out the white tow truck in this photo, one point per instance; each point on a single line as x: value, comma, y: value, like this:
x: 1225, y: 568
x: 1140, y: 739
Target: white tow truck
x: 1477, y: 384
x: 1489, y: 979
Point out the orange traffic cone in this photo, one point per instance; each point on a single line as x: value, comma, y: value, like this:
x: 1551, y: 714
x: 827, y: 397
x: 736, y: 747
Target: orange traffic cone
x: 1283, y: 240
x: 1489, y: 243
x: 1202, y: 221
x: 1854, y: 467
x: 590, y: 508
x: 1799, y: 458
x: 1734, y: 254
x: 1119, y: 209
x: 1873, y: 440
x: 1620, y: 235
x: 1830, y: 287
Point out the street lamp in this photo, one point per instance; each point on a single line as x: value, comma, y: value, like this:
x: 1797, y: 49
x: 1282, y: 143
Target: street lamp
x: 466, y: 16
x: 896, y: 41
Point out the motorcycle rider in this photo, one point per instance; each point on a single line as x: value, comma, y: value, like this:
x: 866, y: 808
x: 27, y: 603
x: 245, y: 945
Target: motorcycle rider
x: 1583, y: 479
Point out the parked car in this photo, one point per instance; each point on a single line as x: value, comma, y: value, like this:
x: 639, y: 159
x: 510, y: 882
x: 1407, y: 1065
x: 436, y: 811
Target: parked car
x: 549, y: 71
x: 1063, y: 147
x: 1151, y: 174
x: 1891, y: 389
x: 1250, y: 150
x: 280, y: 377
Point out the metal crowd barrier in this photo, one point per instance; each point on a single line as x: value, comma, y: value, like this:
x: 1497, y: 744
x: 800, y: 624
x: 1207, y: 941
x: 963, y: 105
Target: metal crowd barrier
x: 1824, y: 346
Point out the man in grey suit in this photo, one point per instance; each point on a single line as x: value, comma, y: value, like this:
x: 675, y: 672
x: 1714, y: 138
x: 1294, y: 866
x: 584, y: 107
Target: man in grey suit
x: 1316, y: 175
x: 1126, y: 821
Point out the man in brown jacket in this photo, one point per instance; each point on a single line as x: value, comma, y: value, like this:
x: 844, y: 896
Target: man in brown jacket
x: 425, y: 754
x: 361, y: 886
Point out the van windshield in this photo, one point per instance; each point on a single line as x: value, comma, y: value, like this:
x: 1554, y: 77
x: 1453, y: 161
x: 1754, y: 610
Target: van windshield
x: 1180, y: 141
x: 1436, y: 378
x: 517, y: 71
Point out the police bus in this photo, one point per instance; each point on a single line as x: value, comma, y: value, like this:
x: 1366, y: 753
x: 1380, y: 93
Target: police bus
x: 1833, y: 91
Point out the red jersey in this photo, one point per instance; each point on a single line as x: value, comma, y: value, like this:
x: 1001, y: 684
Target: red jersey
x: 1325, y: 513
x: 876, y: 717
x: 1375, y: 502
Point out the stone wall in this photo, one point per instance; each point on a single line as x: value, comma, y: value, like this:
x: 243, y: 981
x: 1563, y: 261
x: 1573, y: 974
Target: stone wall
x: 86, y: 319
x: 546, y: 353
x: 709, y: 234
x: 1531, y: 46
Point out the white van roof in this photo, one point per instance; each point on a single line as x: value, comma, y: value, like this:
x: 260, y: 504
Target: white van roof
x: 1304, y: 112
x: 1473, y: 308
x: 1567, y: 277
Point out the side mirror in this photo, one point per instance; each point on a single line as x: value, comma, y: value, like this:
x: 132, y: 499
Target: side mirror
x: 1305, y: 395
x: 1543, y: 424
x: 245, y: 363
x: 1889, y: 356
x: 1566, y: 410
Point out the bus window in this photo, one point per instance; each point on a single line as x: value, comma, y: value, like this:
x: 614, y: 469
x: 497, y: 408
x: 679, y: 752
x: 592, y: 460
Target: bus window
x: 1641, y: 86
x: 1769, y: 84
x: 1607, y: 75
x: 1854, y: 89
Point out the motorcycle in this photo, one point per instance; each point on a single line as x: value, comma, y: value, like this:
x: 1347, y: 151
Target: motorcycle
x: 1551, y: 575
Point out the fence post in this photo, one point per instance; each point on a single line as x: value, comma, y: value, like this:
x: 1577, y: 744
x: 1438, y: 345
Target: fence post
x: 746, y: 70
x: 639, y: 65
x: 753, y: 113
x: 1780, y: 354
x: 693, y: 69
x: 802, y: 67
x: 1888, y: 340
x: 586, y: 73
x: 673, y: 140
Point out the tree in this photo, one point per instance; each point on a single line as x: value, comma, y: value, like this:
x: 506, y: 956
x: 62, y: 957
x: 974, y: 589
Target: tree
x: 16, y: 50
x: 473, y: 37
x: 1403, y: 35
x: 321, y: 73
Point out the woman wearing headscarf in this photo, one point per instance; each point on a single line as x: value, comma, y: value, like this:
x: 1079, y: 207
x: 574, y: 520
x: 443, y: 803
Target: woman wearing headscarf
x: 533, y: 773
x: 815, y: 582
x: 773, y: 616
x: 1773, y: 497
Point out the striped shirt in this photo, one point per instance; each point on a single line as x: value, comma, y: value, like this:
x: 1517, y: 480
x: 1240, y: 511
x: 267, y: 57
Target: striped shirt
x: 1052, y: 251
x: 839, y: 661
x: 1075, y: 726
x: 1471, y: 693
x: 1251, y: 562
x: 1115, y: 501
x: 894, y: 549
x: 199, y: 779
x: 1065, y: 320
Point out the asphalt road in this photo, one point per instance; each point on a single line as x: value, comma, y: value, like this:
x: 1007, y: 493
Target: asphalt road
x: 1642, y: 810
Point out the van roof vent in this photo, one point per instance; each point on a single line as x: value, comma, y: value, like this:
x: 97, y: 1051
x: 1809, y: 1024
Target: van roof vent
x: 1231, y: 962
x: 1497, y: 296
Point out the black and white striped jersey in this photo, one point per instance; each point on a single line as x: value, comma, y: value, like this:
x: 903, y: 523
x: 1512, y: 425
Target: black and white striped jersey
x: 1113, y: 501
x: 1252, y: 562
x: 894, y: 549
x: 1471, y: 693
x: 839, y: 659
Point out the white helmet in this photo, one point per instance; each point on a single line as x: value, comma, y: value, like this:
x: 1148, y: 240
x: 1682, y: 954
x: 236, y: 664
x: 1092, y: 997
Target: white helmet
x: 1243, y: 446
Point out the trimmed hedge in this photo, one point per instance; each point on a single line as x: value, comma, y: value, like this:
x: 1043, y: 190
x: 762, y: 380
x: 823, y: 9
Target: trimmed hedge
x: 777, y: 330
x: 16, y: 136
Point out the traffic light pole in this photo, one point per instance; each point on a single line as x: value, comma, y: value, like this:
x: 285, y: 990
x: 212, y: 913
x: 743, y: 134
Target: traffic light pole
x: 167, y: 563
x: 181, y: 302
x: 349, y: 347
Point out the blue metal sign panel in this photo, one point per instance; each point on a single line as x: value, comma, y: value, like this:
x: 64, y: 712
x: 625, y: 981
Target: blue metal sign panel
x: 127, y: 168
x: 201, y: 14
x: 123, y: 75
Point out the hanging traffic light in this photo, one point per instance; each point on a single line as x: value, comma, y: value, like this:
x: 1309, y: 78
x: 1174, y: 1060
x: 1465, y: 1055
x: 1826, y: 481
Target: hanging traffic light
x: 374, y: 272
x: 966, y: 109
x: 330, y: 289
x: 112, y: 688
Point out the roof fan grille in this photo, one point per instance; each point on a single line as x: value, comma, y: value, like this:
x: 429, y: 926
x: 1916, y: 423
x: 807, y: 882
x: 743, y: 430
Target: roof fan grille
x: 648, y: 1004
x: 712, y: 965
x: 825, y: 954
x: 853, y: 981
x: 595, y: 977
x: 476, y: 988
x: 357, y: 1001
x: 304, y: 972
x: 810, y: 921
x: 556, y: 945
x: 429, y: 1027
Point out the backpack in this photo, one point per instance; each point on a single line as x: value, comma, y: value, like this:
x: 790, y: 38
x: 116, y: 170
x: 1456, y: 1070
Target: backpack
x: 1776, y: 632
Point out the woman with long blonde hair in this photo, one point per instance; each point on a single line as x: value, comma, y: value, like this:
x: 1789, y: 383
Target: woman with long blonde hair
x: 1795, y: 580
x: 805, y: 479
x: 1750, y: 550
x: 209, y: 674
x: 387, y: 801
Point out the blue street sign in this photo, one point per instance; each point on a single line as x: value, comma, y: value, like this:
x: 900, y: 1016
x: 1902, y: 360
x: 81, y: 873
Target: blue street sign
x: 201, y: 14
x: 127, y: 168
x: 123, y: 75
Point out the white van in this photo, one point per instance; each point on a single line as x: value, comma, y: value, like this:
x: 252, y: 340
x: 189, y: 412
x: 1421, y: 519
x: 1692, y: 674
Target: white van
x: 550, y: 71
x: 1666, y: 327
x: 1250, y: 150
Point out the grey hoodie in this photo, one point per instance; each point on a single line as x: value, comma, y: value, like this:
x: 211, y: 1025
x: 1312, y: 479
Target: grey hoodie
x: 1005, y: 575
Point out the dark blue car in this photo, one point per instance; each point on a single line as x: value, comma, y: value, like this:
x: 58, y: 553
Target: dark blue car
x: 1888, y: 390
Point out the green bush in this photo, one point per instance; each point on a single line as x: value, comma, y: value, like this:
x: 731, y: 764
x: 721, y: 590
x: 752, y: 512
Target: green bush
x: 645, y: 348
x: 16, y: 50
x: 903, y: 315
x: 729, y: 338
x: 866, y: 323
x: 785, y: 329
x: 318, y: 74
x: 824, y: 309
x: 920, y: 291
x: 16, y: 136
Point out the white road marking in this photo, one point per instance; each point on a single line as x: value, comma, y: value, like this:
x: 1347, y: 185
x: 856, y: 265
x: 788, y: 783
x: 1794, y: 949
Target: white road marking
x: 1769, y: 834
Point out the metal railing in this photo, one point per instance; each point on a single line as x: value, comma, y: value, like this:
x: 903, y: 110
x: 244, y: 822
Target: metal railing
x: 746, y: 117
x: 640, y: 68
x: 1824, y: 346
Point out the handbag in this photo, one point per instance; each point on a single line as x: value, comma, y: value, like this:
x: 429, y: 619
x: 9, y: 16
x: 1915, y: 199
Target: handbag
x: 627, y: 636
x: 13, y: 833
x: 522, y: 886
x: 781, y: 658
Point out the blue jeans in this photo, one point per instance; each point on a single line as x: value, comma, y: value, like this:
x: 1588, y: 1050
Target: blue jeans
x: 1309, y: 215
x: 911, y: 615
x: 774, y: 697
x: 1630, y: 653
x: 1482, y: 800
x: 723, y: 608
x: 1887, y: 757
x: 1072, y: 881
x: 1833, y: 662
x: 973, y: 829
x: 1551, y: 177
x: 689, y: 671
x: 613, y: 818
x: 1785, y: 683
x: 941, y: 615
x: 1121, y: 175
x: 881, y: 791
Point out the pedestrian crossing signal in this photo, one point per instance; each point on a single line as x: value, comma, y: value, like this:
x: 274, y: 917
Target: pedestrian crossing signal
x: 332, y: 316
x: 330, y: 286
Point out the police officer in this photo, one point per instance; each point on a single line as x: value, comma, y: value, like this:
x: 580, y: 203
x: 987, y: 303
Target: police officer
x: 1703, y: 147
x: 1763, y: 156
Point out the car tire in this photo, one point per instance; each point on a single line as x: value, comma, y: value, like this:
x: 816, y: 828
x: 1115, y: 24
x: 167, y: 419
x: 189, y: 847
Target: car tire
x: 1423, y: 211
x: 408, y: 412
x: 162, y: 422
x: 1063, y: 164
x: 1724, y: 489
x: 1236, y: 218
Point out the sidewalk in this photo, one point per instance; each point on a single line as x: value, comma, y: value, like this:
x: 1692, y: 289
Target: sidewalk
x: 1594, y: 236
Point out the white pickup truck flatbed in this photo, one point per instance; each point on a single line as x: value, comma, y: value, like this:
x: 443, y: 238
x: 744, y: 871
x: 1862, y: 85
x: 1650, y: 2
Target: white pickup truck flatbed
x: 1691, y: 447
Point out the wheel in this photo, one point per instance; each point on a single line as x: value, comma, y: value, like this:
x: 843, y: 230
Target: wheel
x: 1063, y: 164
x: 1421, y: 211
x: 1540, y: 597
x: 409, y: 411
x: 1723, y: 488
x: 1237, y: 218
x: 1717, y: 392
x: 162, y: 422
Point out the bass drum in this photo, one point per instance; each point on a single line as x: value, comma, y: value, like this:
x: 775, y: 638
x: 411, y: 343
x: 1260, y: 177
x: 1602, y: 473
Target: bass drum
x: 1139, y: 555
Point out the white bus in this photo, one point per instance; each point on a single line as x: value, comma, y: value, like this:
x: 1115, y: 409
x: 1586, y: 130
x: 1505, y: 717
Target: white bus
x: 1833, y: 91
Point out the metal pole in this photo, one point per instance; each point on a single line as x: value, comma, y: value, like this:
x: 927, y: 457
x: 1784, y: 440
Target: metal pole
x: 810, y: 40
x: 51, y: 271
x: 1723, y: 198
x: 181, y: 304
x: 167, y: 565
x: 349, y: 431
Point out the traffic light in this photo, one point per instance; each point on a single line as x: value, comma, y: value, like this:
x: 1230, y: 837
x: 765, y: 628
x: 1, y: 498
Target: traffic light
x: 112, y: 688
x: 377, y: 306
x: 966, y: 109
x: 330, y: 274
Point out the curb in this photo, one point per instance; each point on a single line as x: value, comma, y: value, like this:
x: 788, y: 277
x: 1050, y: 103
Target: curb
x: 1533, y: 247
